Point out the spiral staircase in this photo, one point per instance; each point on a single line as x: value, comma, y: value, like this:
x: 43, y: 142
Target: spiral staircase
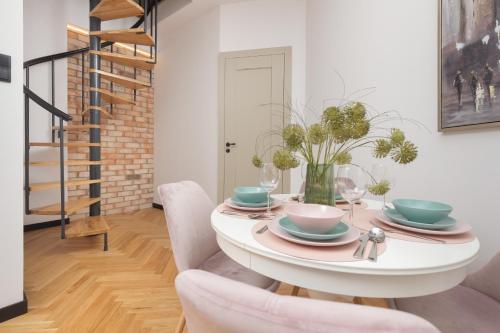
x: 142, y: 33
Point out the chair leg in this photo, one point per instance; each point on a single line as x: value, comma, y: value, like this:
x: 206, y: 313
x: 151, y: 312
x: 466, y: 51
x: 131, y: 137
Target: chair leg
x: 295, y: 290
x: 181, y: 324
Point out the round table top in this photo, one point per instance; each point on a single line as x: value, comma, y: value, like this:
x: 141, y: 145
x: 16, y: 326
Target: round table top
x: 402, y: 260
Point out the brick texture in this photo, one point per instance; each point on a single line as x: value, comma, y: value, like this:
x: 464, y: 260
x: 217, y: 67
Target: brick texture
x: 126, y: 137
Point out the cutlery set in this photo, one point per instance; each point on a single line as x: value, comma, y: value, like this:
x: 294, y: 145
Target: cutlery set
x: 375, y: 235
x: 295, y: 225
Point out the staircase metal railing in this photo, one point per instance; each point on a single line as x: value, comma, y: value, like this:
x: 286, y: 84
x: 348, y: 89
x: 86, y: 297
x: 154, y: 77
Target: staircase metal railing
x: 151, y: 10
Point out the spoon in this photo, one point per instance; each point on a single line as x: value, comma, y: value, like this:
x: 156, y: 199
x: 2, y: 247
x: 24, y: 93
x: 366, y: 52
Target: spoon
x: 376, y: 235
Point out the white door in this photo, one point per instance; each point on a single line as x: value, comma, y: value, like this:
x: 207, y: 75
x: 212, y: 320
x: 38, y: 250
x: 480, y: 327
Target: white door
x: 254, y: 94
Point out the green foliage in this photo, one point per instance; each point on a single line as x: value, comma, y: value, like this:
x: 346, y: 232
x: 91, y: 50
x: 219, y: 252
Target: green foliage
x: 343, y: 157
x: 382, y: 148
x: 317, y: 134
x: 405, y: 153
x: 284, y: 159
x: 341, y: 130
x: 293, y: 135
x: 397, y: 137
x: 257, y: 161
x: 380, y: 188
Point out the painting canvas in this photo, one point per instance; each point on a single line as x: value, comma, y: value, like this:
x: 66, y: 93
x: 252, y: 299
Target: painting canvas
x: 469, y: 63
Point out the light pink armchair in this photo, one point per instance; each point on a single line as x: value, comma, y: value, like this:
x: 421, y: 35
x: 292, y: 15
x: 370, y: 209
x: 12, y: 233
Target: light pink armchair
x: 187, y: 211
x: 473, y: 306
x: 214, y: 304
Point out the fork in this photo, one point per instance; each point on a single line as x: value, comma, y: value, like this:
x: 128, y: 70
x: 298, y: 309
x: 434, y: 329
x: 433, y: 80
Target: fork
x: 253, y: 216
x: 406, y: 233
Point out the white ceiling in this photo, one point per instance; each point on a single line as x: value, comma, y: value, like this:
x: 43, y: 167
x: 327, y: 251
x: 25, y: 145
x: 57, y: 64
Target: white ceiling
x: 174, y: 13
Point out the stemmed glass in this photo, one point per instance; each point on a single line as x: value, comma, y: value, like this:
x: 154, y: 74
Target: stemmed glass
x: 380, y: 173
x: 352, y: 182
x: 269, y: 179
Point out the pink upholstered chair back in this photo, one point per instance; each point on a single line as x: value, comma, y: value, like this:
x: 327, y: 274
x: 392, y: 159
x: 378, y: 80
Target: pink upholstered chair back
x: 213, y: 304
x: 487, y: 279
x: 187, y: 211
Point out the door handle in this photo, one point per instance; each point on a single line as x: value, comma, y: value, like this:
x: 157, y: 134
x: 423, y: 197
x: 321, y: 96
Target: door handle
x: 229, y: 144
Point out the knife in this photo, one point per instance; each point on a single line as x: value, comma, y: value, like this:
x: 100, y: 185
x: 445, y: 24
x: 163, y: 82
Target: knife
x: 360, y: 251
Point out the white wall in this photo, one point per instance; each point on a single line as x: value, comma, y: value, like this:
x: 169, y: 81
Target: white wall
x: 266, y: 24
x: 186, y: 103
x: 392, y: 45
x: 187, y: 75
x: 11, y: 141
x: 387, y: 44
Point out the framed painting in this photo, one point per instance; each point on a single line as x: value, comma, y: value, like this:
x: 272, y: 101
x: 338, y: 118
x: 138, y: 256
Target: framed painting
x: 469, y: 64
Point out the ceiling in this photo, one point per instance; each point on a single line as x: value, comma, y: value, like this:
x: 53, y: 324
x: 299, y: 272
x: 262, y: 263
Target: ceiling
x: 174, y: 13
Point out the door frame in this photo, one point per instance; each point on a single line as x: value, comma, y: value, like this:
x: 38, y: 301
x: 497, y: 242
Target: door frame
x: 287, y: 99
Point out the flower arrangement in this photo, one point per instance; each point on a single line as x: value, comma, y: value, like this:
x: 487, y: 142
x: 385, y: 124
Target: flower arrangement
x: 340, y: 130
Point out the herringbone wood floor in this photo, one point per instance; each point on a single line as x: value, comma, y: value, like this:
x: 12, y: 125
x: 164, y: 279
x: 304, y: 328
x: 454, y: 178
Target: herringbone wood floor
x: 73, y: 286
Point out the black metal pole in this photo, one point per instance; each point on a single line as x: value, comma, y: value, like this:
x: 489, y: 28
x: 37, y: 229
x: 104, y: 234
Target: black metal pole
x: 53, y: 100
x: 156, y: 28
x: 151, y: 26
x: 146, y: 16
x: 135, y: 72
x: 27, y: 145
x: 83, y: 88
x: 111, y: 85
x: 95, y: 115
x: 61, y: 168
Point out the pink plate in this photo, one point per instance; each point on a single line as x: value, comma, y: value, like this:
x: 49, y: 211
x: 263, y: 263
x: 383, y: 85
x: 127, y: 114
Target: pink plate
x: 457, y: 229
x: 351, y: 236
x: 230, y: 204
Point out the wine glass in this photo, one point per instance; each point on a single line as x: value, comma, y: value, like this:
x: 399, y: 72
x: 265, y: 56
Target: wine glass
x: 352, y: 182
x: 380, y: 173
x: 269, y: 179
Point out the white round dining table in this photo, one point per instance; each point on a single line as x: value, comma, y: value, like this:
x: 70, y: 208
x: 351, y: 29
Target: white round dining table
x: 405, y: 269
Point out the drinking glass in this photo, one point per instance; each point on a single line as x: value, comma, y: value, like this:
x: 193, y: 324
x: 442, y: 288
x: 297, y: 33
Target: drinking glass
x: 269, y: 179
x: 352, y: 182
x: 380, y: 173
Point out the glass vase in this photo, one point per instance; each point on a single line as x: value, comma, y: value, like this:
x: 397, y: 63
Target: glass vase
x: 320, y: 184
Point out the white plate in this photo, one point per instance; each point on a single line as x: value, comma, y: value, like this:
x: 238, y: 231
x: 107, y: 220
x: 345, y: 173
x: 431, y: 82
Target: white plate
x: 351, y: 236
x: 457, y: 229
x: 230, y: 204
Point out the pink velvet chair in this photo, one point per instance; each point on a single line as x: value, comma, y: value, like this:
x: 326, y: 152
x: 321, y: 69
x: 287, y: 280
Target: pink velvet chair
x: 214, y: 304
x: 473, y: 306
x: 187, y: 210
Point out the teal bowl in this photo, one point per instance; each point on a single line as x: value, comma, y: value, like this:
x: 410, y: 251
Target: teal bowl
x: 422, y: 211
x: 248, y: 194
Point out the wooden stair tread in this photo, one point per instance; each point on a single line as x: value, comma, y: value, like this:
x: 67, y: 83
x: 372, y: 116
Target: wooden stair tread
x: 121, y: 80
x: 67, y: 163
x: 71, y: 207
x: 71, y: 144
x: 137, y: 62
x: 87, y: 226
x: 100, y: 108
x: 112, y: 98
x: 131, y: 36
x: 77, y: 127
x: 116, y: 9
x: 57, y: 184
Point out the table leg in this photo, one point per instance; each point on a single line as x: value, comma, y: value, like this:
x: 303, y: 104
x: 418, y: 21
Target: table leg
x: 329, y: 297
x: 377, y: 302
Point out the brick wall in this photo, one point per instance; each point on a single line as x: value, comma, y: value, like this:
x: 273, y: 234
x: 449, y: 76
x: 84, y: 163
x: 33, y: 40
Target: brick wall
x: 126, y: 137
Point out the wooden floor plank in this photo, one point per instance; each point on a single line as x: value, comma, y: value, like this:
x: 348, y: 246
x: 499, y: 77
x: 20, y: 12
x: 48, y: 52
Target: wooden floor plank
x: 74, y: 286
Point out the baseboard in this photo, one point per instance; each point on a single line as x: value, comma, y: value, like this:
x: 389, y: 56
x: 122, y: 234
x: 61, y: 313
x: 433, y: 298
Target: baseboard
x: 43, y: 225
x: 157, y: 206
x: 14, y: 310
